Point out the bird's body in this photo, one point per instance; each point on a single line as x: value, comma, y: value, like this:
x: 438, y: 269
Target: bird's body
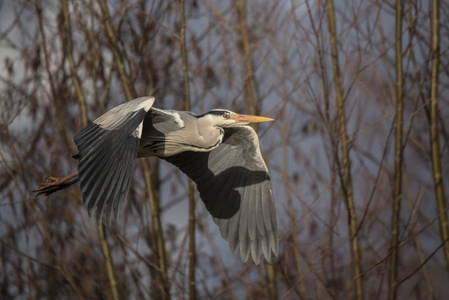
x: 216, y: 150
x: 164, y: 129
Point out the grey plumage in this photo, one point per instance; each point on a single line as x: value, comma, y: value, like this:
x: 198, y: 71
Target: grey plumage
x: 107, y: 151
x: 216, y: 150
x: 234, y: 185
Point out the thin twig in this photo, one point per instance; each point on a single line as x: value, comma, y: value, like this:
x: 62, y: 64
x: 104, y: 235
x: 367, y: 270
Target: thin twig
x: 397, y: 194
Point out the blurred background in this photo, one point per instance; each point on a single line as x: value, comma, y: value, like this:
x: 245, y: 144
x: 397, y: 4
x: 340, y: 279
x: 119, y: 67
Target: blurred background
x: 358, y: 154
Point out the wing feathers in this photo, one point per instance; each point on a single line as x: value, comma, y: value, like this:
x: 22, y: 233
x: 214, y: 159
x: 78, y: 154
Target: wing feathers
x: 233, y: 238
x: 234, y: 185
x: 243, y: 225
x: 107, y: 151
x: 252, y: 227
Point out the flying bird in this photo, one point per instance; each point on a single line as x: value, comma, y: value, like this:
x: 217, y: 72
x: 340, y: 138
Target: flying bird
x: 217, y: 150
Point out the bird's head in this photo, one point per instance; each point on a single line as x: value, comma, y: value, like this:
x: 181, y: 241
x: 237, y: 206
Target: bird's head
x: 227, y: 118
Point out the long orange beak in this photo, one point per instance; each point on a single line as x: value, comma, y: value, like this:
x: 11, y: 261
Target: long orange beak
x: 249, y: 119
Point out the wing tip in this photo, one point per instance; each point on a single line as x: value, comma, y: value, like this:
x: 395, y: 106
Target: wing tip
x: 146, y: 102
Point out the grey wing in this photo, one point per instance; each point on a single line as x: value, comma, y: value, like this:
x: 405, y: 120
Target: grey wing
x: 107, y: 152
x: 234, y: 185
x: 158, y: 124
x: 163, y: 132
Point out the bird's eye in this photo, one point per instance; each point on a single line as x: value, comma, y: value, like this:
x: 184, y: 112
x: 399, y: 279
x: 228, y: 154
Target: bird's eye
x: 226, y: 115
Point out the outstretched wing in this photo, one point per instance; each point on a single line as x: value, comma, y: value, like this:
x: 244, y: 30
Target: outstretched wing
x: 107, y: 151
x: 234, y: 185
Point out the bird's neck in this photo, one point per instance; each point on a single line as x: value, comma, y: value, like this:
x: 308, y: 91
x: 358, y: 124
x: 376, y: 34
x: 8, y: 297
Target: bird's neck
x: 209, y: 138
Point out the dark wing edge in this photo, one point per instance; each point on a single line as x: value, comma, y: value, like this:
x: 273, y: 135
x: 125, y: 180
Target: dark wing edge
x: 107, y: 152
x: 235, y: 186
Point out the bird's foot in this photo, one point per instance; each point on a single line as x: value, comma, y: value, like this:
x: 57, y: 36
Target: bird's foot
x: 54, y: 184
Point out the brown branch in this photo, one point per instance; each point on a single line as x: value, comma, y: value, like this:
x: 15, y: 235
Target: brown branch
x: 249, y: 76
x: 397, y: 195
x: 192, y: 220
x: 62, y: 127
x: 105, y: 249
x: 424, y: 262
x: 346, y: 181
x: 434, y: 140
x: 128, y: 88
x: 69, y: 51
x: 221, y: 16
x: 285, y: 173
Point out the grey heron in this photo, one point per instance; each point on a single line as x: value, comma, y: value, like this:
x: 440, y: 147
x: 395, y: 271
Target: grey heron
x: 217, y: 150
